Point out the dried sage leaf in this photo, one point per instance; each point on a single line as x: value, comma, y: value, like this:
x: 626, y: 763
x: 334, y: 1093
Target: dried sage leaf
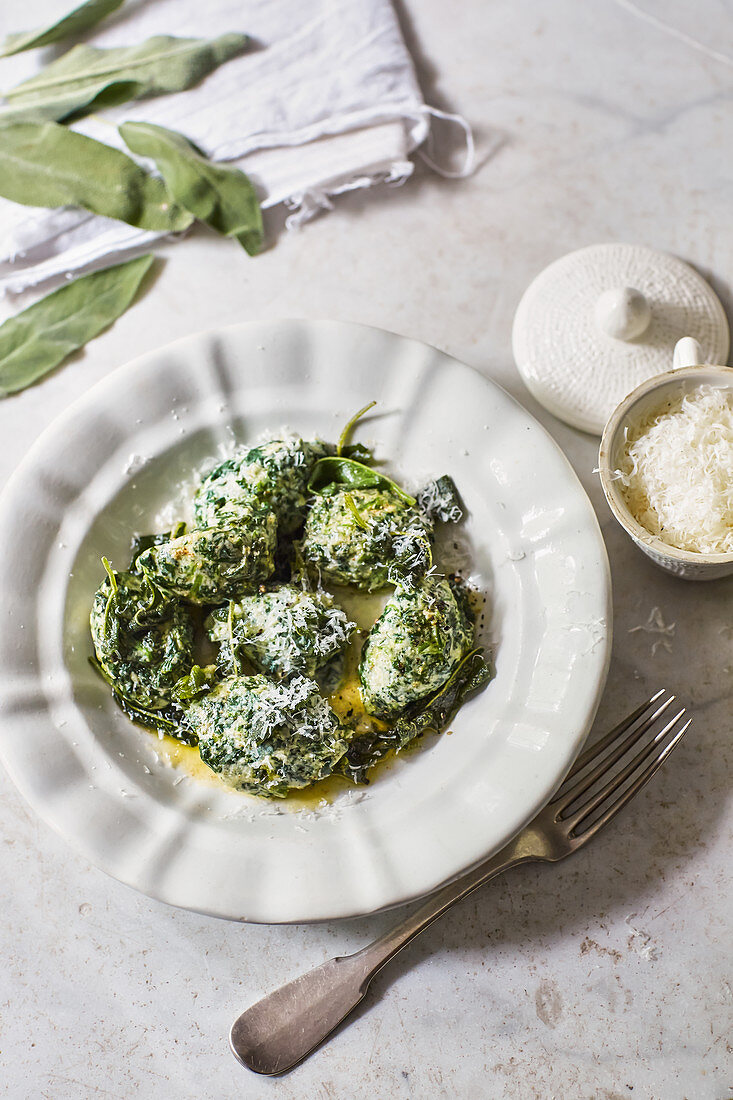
x: 80, y: 19
x: 217, y: 194
x: 35, y: 341
x: 87, y: 78
x: 44, y: 164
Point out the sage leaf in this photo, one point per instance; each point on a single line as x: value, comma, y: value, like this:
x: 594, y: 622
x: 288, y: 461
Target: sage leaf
x: 80, y: 19
x: 35, y: 341
x: 217, y: 194
x: 87, y: 78
x: 44, y: 164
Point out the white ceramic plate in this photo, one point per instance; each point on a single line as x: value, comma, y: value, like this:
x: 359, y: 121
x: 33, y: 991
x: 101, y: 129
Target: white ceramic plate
x: 112, y: 461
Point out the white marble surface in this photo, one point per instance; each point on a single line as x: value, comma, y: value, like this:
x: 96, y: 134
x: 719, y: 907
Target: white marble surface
x: 607, y: 976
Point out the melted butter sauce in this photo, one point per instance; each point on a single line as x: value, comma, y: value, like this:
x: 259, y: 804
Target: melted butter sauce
x: 363, y: 609
x: 346, y: 702
x: 186, y: 759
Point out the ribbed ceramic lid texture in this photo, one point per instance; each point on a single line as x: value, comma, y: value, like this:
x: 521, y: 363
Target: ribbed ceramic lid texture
x: 598, y: 322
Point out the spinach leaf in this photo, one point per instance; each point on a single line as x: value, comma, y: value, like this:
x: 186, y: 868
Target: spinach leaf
x: 198, y: 682
x: 141, y: 543
x: 440, y: 500
x: 358, y: 451
x: 87, y: 78
x: 80, y: 19
x: 44, y: 164
x: 35, y: 341
x: 165, y: 720
x: 344, y: 437
x: 217, y: 194
x: 346, y: 472
x: 144, y: 648
x: 470, y: 675
x: 351, y: 505
x: 434, y: 714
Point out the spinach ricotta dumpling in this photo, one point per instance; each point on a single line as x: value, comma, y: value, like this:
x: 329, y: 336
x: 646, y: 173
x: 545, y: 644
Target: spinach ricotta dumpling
x: 419, y: 639
x: 273, y: 476
x: 210, y: 565
x: 288, y: 699
x: 280, y: 631
x: 267, y: 737
x: 368, y: 538
x: 143, y: 641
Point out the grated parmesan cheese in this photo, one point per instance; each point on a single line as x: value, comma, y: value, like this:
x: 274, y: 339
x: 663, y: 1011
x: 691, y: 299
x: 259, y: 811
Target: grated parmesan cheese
x: 677, y: 472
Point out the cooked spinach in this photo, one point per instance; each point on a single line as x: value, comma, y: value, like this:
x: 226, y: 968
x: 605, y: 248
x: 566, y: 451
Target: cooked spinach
x: 212, y: 564
x: 339, y: 471
x: 366, y: 749
x: 164, y: 720
x: 414, y: 646
x: 144, y: 542
x: 267, y: 737
x: 196, y: 683
x: 359, y: 452
x: 280, y: 631
x: 143, y: 643
x: 367, y: 537
x: 343, y: 442
x: 260, y: 715
x: 440, y: 500
x: 272, y: 476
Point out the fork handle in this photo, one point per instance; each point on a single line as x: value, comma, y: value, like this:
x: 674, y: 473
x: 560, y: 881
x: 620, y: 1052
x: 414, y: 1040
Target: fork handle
x: 281, y: 1029
x: 380, y: 951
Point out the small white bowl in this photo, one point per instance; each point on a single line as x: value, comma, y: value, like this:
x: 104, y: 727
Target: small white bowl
x: 652, y: 396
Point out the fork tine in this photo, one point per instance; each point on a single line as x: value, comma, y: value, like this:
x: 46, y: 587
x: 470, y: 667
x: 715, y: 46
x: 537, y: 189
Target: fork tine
x: 617, y: 780
x: 599, y: 746
x: 621, y: 748
x: 635, y: 787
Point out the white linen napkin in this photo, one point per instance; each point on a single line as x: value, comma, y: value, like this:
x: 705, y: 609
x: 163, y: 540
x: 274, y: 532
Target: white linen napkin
x: 325, y: 101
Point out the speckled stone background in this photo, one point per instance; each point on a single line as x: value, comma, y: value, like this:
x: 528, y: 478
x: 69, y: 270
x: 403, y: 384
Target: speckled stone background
x: 607, y: 976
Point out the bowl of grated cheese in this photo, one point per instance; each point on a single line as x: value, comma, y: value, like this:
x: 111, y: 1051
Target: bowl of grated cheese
x: 666, y: 467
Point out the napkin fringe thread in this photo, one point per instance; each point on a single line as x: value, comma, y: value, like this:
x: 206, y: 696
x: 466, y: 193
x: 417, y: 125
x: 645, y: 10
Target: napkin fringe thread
x: 307, y: 204
x: 315, y: 200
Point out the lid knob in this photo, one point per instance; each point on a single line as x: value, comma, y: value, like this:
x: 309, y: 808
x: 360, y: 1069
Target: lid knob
x: 623, y: 313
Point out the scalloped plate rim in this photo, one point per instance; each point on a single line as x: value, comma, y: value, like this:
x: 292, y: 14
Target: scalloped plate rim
x: 88, y: 846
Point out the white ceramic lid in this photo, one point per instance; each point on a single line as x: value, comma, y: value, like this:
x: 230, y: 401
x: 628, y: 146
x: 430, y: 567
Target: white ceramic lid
x: 598, y: 322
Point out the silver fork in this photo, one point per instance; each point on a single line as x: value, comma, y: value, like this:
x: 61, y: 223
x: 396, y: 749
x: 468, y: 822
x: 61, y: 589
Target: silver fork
x: 281, y: 1029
